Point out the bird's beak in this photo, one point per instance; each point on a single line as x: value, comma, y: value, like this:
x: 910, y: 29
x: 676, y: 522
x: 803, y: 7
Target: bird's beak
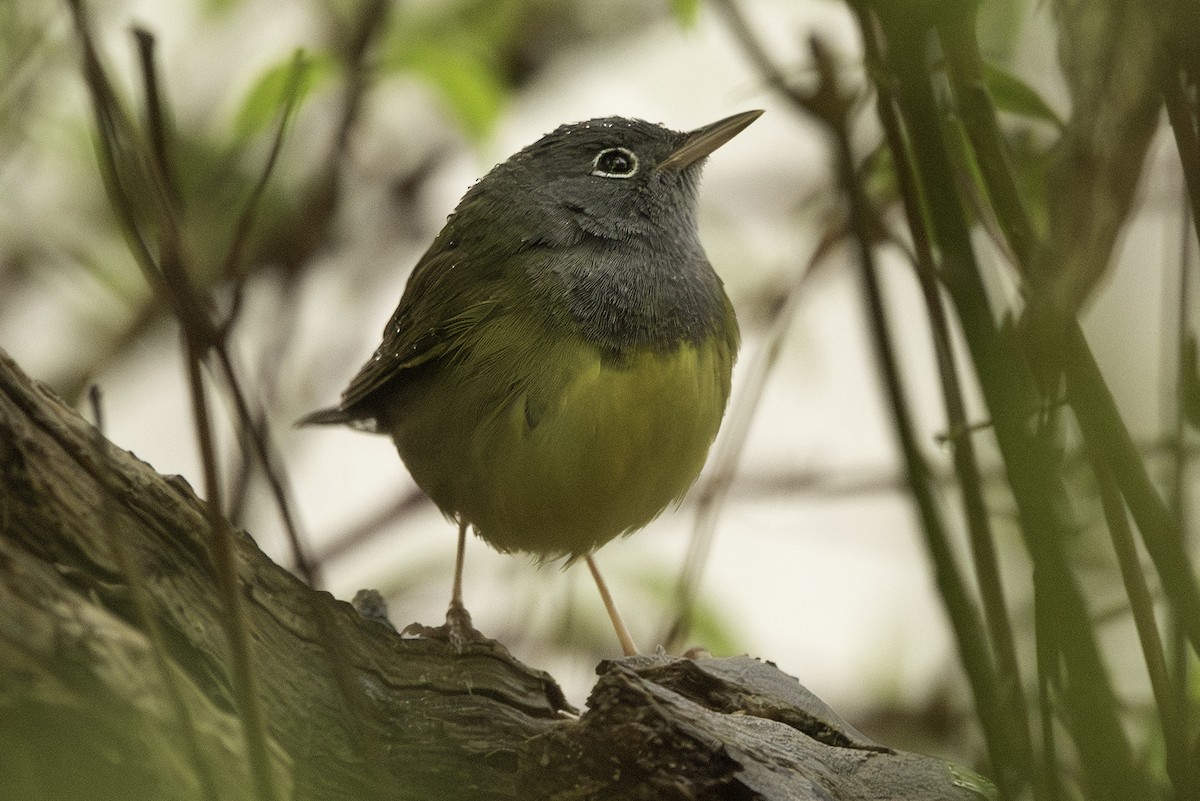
x: 702, y: 141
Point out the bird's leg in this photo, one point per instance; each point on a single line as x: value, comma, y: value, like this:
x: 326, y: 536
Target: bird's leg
x: 458, y: 629
x: 458, y: 619
x: 627, y: 644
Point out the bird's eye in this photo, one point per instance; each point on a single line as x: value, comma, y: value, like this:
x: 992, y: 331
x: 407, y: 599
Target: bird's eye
x: 615, y: 162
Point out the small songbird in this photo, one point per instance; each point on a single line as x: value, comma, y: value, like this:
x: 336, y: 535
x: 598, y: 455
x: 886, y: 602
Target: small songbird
x: 560, y: 361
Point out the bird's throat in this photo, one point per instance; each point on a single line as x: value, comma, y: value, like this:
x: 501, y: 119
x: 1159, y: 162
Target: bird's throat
x: 656, y: 301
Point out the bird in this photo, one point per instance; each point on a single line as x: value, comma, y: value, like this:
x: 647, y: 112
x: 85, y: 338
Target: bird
x: 560, y: 360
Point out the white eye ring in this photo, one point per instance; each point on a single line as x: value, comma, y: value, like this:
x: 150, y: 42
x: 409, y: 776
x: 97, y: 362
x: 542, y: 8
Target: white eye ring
x: 604, y: 155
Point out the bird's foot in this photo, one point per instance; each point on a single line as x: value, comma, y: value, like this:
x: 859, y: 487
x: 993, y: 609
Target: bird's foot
x: 457, y: 630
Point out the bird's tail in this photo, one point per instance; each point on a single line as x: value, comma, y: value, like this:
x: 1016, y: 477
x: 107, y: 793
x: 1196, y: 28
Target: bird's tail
x: 325, y: 417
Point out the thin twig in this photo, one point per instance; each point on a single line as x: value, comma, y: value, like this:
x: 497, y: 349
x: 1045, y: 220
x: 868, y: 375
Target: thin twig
x: 1187, y: 139
x: 1141, y: 603
x: 120, y: 150
x: 1180, y: 495
x: 225, y: 562
x: 960, y: 607
x: 979, y: 527
x: 1030, y: 464
x: 965, y: 67
x: 1103, y: 429
x: 736, y: 429
x: 139, y: 595
x: 262, y: 444
x: 156, y: 120
x: 233, y: 268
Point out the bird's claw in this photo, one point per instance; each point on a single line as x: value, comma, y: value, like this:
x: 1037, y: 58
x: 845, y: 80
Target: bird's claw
x: 457, y: 631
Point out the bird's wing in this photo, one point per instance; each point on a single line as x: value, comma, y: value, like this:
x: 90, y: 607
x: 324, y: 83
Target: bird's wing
x: 454, y: 286
x: 450, y: 290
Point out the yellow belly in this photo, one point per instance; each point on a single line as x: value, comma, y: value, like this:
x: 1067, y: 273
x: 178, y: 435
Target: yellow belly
x: 579, y: 451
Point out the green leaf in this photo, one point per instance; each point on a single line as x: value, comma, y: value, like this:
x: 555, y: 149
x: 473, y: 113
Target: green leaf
x: 969, y: 779
x: 1013, y: 95
x: 686, y: 11
x: 289, y: 81
x: 468, y: 84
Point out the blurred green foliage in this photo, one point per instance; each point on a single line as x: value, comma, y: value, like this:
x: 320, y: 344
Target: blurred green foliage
x: 1015, y: 96
x: 289, y: 81
x: 973, y: 146
x: 686, y: 11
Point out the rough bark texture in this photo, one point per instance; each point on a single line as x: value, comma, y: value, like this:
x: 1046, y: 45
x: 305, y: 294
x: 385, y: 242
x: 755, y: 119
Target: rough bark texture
x: 115, y: 680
